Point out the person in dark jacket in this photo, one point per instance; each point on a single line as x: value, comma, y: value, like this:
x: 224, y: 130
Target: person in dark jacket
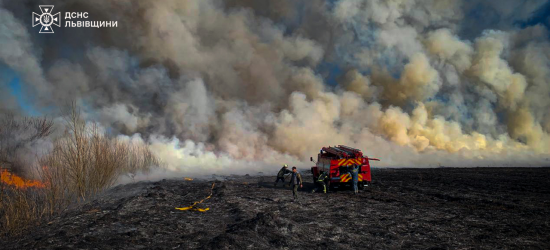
x: 295, y: 181
x: 320, y: 182
x: 355, y: 177
x: 281, y: 175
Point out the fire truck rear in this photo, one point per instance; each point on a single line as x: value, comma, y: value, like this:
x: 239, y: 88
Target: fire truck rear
x: 338, y: 161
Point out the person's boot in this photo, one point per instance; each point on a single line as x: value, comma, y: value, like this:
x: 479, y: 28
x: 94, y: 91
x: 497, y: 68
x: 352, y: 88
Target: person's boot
x: 275, y: 184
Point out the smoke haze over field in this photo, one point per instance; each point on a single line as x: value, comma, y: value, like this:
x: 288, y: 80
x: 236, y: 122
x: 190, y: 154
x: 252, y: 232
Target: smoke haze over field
x: 221, y: 86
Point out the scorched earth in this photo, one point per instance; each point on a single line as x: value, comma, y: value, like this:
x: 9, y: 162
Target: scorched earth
x: 456, y: 208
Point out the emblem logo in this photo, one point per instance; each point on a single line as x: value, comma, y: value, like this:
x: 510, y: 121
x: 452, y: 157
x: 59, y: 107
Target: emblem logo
x: 46, y: 19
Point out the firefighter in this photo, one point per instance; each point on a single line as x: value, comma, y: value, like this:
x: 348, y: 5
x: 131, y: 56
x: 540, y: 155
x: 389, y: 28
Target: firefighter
x: 295, y: 181
x: 321, y: 182
x: 355, y: 177
x: 281, y: 175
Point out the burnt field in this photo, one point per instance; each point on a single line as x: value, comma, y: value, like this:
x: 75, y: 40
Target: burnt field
x: 441, y: 208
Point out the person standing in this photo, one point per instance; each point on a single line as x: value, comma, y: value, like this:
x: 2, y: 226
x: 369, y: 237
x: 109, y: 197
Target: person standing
x: 281, y: 175
x: 295, y: 181
x: 355, y: 177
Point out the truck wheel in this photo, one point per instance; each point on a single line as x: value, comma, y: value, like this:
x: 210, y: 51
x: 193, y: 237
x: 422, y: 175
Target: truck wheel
x: 366, y: 185
x: 331, y: 188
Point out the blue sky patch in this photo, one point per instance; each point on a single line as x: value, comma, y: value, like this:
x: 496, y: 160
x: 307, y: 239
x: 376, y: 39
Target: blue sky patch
x: 11, y: 82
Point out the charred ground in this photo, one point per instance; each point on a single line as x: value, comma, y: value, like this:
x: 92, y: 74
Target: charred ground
x: 404, y: 208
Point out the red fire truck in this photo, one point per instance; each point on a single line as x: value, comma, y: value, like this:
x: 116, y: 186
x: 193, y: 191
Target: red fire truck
x: 337, y: 162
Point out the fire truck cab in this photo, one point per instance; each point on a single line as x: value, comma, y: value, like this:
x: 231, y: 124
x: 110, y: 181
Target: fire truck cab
x: 337, y: 162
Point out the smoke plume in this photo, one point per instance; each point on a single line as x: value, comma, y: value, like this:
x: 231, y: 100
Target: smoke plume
x: 230, y: 86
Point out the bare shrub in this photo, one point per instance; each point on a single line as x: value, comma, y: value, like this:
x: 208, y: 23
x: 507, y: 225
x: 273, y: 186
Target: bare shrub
x: 83, y: 162
x: 16, y: 133
x: 19, y: 206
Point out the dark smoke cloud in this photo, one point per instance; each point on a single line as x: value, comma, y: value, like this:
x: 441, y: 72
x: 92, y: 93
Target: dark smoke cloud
x: 220, y: 84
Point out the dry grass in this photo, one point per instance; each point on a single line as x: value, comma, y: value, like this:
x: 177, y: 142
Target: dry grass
x: 20, y: 208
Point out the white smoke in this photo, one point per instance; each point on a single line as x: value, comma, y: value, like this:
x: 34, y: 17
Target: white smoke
x: 230, y: 86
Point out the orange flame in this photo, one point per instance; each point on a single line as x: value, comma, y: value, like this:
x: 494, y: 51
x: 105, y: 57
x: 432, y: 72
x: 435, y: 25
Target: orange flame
x: 14, y: 180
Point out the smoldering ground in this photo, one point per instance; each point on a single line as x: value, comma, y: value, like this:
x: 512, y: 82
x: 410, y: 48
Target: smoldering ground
x: 211, y: 83
x: 481, y: 208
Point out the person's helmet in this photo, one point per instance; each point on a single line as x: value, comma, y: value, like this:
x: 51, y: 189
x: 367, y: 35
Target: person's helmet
x: 286, y: 166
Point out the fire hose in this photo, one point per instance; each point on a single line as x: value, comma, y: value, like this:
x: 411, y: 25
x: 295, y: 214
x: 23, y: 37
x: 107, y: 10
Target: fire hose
x: 193, y: 208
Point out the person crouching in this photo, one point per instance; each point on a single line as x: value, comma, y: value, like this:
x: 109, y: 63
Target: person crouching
x: 320, y: 182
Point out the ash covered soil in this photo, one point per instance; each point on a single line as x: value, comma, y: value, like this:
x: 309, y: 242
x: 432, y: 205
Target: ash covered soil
x: 440, y: 208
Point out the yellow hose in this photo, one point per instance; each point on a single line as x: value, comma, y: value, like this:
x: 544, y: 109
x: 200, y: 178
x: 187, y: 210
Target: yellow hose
x: 193, y: 208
